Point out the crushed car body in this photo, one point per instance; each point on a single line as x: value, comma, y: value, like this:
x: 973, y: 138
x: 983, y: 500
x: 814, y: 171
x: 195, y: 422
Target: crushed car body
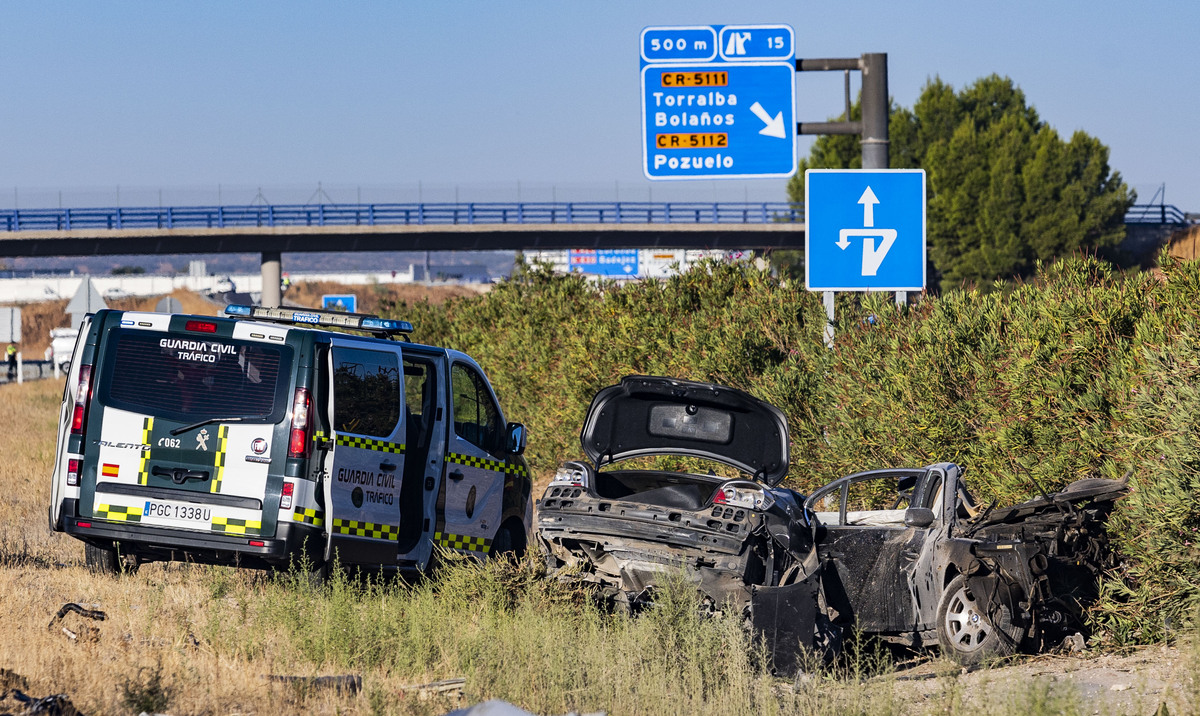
x: 905, y: 554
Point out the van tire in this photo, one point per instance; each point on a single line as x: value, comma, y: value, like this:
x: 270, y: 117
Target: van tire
x: 101, y: 560
x: 507, y: 543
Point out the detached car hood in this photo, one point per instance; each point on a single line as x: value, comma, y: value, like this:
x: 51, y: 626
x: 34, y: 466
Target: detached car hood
x: 660, y: 416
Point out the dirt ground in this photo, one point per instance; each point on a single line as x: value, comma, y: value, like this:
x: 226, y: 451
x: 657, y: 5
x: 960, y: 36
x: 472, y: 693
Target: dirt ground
x: 1137, y: 682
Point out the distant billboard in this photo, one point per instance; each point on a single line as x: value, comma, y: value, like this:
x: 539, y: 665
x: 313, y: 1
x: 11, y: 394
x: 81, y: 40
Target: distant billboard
x: 604, y: 262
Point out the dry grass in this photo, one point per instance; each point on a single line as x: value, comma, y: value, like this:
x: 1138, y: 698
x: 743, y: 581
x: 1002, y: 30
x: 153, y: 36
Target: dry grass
x: 39, y: 317
x: 209, y: 635
x: 308, y: 293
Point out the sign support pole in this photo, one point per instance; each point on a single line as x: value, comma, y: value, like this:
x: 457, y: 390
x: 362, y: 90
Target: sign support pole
x: 873, y: 128
x: 828, y: 296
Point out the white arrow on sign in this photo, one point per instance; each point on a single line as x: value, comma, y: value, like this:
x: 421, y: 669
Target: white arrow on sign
x: 774, y: 126
x: 868, y: 201
x: 872, y: 258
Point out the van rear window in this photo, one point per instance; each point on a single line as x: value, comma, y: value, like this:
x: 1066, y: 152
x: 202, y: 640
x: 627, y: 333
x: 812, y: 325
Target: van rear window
x: 187, y: 378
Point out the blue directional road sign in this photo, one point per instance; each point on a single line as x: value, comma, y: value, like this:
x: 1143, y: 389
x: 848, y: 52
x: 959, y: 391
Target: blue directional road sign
x: 718, y: 102
x: 604, y: 262
x: 866, y: 229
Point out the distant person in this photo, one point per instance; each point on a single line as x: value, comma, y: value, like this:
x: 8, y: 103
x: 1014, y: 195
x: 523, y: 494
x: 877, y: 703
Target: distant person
x: 12, y: 362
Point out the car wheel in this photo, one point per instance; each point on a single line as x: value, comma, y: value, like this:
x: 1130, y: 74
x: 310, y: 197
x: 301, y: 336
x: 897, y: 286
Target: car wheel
x: 966, y: 634
x: 101, y: 560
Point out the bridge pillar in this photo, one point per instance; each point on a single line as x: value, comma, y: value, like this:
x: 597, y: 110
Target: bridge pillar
x: 272, y: 296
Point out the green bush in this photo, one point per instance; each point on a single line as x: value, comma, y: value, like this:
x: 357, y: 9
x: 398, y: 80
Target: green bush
x: 1082, y: 372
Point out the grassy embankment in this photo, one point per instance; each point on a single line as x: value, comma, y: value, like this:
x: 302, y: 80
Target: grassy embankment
x: 1081, y: 373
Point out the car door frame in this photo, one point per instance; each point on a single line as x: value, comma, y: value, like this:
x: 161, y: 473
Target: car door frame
x: 859, y: 556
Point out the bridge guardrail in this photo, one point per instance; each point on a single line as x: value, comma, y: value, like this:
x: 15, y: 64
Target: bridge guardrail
x: 580, y: 212
x: 219, y: 217
x: 1156, y: 214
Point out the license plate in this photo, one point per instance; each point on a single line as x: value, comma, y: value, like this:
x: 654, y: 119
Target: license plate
x: 177, y: 511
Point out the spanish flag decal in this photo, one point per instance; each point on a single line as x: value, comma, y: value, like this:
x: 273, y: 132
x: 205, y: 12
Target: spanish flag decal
x: 109, y: 470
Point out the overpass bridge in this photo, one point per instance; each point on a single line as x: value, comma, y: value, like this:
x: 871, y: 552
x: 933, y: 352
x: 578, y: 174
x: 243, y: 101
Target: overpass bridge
x: 472, y: 226
x: 400, y: 227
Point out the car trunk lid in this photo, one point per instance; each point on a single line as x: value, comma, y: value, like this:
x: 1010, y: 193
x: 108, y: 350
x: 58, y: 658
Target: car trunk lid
x: 644, y: 416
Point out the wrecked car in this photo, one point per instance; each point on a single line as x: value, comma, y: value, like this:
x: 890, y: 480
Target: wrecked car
x: 745, y: 542
x: 905, y: 554
x: 909, y: 555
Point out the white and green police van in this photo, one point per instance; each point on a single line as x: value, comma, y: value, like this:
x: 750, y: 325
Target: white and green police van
x: 260, y: 437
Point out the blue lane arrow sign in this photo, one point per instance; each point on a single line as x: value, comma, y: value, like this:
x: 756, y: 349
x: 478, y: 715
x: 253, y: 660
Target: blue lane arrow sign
x: 866, y: 229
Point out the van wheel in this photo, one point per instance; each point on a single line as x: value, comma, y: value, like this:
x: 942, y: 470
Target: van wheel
x: 507, y: 544
x: 101, y: 560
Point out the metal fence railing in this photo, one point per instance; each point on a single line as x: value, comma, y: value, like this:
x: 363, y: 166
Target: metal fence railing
x: 579, y: 212
x: 220, y: 217
x: 1157, y: 214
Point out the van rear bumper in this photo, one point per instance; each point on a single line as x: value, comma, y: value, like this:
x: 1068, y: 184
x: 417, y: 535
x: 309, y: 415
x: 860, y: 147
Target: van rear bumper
x: 290, y: 543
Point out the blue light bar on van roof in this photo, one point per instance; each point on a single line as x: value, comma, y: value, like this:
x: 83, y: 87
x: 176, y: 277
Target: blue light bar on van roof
x: 308, y: 316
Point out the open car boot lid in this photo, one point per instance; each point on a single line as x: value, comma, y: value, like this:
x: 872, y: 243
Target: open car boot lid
x: 644, y: 416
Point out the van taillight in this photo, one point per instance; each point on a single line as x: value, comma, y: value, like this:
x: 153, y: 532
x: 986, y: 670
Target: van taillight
x: 285, y: 497
x: 73, y: 472
x: 299, y: 444
x: 83, y: 396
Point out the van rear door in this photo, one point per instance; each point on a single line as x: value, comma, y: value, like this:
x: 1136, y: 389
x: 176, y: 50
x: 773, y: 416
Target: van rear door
x: 191, y: 421
x: 60, y: 489
x: 365, y: 459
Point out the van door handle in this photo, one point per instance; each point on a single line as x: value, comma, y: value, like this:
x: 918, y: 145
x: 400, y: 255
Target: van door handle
x: 456, y: 475
x: 387, y: 467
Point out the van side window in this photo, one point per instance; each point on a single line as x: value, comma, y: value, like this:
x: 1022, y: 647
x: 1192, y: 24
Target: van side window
x: 366, y: 391
x: 476, y: 417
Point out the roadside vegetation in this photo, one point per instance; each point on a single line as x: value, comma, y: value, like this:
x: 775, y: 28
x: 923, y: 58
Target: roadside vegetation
x: 1082, y: 371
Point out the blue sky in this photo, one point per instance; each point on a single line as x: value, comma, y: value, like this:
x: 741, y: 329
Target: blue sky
x: 499, y: 98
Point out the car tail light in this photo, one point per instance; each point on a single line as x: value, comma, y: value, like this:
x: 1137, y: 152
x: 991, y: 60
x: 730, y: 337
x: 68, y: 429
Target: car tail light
x: 747, y: 495
x: 257, y: 543
x: 73, y: 472
x: 200, y: 326
x: 83, y: 524
x: 83, y: 397
x: 571, y: 474
x: 285, y: 497
x: 299, y: 444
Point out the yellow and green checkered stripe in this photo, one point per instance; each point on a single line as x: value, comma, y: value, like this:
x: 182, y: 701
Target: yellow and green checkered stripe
x: 364, y: 443
x: 366, y: 529
x: 118, y: 513
x: 488, y: 464
x: 309, y: 516
x: 143, y: 471
x: 219, y: 458
x: 370, y: 444
x: 234, y: 526
x: 463, y: 542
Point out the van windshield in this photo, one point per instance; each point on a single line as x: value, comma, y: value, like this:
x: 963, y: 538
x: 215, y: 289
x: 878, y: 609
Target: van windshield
x: 189, y: 378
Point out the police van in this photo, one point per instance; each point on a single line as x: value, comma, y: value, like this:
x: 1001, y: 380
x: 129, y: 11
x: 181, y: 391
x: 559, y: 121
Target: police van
x: 261, y: 436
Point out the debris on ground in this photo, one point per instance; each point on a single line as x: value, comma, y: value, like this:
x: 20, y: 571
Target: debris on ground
x: 347, y: 683
x: 87, y: 631
x: 25, y: 705
x: 445, y: 687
